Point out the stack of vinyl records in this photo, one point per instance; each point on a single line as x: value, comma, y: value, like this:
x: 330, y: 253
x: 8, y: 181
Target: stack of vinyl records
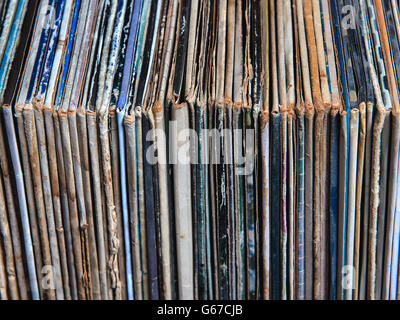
x: 177, y: 149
